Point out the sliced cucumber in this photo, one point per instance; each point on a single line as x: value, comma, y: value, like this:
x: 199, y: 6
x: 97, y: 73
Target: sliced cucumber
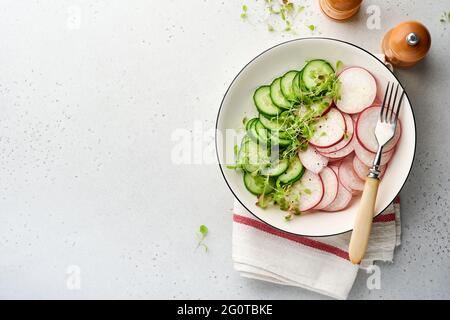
x: 296, y: 88
x: 251, y: 129
x: 315, y: 73
x: 262, y: 132
x: 276, y: 168
x: 258, y: 184
x: 286, y: 85
x: 271, y: 124
x: 243, y: 156
x: 254, y: 156
x: 264, y: 103
x: 280, y: 138
x: 277, y: 96
x: 249, y: 123
x: 293, y: 173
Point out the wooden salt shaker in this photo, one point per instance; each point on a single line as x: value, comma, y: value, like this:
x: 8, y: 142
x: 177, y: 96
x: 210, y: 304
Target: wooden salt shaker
x: 340, y: 10
x: 406, y: 44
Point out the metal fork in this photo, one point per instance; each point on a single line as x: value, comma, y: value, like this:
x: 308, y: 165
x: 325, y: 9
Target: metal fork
x: 384, y: 132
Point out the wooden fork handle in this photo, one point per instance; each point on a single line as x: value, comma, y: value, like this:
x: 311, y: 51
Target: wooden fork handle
x: 363, y: 221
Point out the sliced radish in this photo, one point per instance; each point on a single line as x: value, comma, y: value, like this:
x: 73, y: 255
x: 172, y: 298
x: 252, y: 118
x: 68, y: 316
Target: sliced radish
x: 341, y: 201
x: 355, y: 117
x: 335, y: 162
x: 365, y: 130
x: 358, y: 90
x: 329, y: 129
x: 367, y: 157
x: 348, y: 177
x: 362, y: 170
x: 306, y: 193
x: 337, y: 155
x: 312, y: 160
x: 330, y: 185
x: 344, y: 142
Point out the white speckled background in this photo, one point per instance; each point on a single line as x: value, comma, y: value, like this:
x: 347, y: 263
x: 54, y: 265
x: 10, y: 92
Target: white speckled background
x: 90, y: 92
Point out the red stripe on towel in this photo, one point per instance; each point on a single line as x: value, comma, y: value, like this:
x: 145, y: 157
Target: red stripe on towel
x: 299, y: 239
x: 385, y: 217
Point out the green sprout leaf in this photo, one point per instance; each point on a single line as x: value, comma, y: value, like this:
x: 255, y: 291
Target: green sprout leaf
x: 289, y: 7
x: 203, y: 232
x: 312, y: 27
x: 244, y: 11
x: 270, y: 28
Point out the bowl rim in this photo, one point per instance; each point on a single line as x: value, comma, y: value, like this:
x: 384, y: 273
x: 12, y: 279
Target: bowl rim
x: 281, y: 44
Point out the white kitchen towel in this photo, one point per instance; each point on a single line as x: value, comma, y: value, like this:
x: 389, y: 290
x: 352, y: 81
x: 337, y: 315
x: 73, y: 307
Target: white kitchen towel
x: 317, y: 264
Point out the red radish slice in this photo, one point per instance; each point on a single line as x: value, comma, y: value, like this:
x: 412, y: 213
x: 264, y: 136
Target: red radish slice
x: 362, y: 170
x: 365, y: 130
x: 358, y: 90
x: 329, y: 129
x: 343, y: 152
x: 335, y: 162
x: 342, y: 200
x: 312, y: 160
x: 331, y: 185
x: 367, y: 157
x: 344, y: 142
x: 348, y: 177
x: 306, y: 193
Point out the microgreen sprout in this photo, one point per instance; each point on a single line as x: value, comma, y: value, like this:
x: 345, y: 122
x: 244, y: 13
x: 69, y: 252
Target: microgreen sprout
x: 203, y: 230
x: 244, y: 11
x: 339, y: 65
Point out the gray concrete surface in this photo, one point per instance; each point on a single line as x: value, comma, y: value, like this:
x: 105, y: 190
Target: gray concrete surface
x: 90, y: 93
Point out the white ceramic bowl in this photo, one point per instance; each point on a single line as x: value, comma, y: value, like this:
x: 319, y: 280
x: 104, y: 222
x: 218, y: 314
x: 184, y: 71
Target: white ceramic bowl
x: 238, y: 103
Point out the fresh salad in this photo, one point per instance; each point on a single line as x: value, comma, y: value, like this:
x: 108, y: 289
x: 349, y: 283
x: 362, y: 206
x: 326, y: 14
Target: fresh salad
x: 311, y: 146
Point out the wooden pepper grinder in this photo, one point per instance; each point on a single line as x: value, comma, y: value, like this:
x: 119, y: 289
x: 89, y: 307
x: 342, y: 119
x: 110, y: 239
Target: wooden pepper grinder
x: 340, y: 10
x: 406, y: 44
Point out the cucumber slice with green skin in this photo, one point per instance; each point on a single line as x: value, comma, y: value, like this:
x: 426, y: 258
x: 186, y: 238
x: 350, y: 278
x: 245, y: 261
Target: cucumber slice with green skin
x: 275, y: 169
x: 249, y: 123
x: 251, y: 129
x: 316, y: 72
x: 253, y: 156
x: 243, y: 156
x: 296, y: 86
x: 262, y: 132
x: 277, y: 140
x: 277, y: 95
x: 258, y: 184
x: 264, y: 103
x: 286, y: 85
x: 294, y: 172
x: 250, y: 167
x: 274, y: 124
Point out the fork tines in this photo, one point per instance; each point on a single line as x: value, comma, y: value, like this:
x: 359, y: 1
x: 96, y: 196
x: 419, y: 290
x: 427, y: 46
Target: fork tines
x: 387, y: 108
